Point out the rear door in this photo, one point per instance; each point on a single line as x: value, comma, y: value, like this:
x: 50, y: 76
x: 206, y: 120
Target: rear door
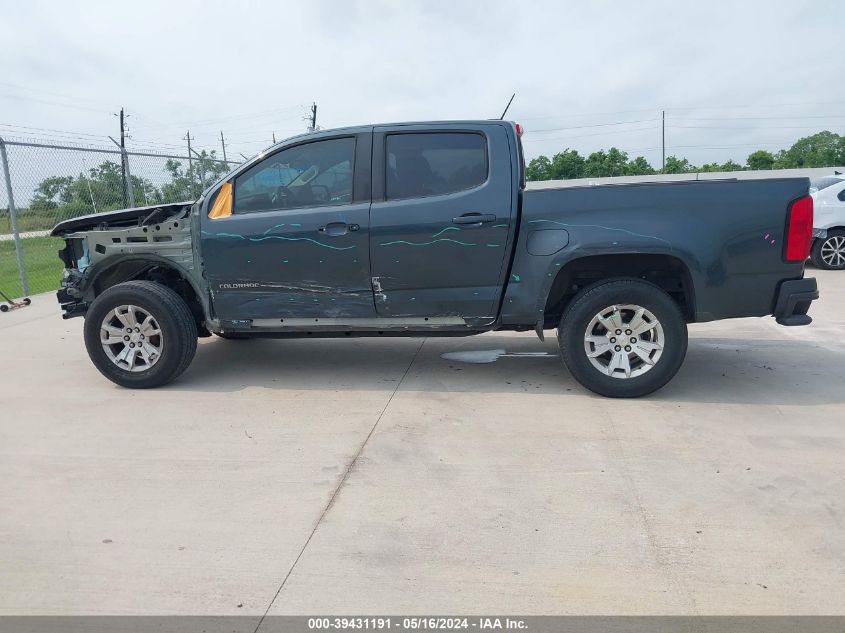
x: 441, y: 218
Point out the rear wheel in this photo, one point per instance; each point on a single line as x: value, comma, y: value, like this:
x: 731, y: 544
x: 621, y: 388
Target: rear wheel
x: 829, y: 252
x: 623, y: 338
x: 140, y: 334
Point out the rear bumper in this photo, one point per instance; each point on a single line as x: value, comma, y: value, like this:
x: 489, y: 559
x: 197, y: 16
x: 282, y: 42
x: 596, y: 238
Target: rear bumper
x: 793, y: 301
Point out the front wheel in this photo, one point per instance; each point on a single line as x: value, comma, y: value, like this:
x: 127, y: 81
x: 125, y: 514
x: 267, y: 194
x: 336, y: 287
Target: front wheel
x: 140, y: 334
x: 623, y: 338
x: 828, y: 253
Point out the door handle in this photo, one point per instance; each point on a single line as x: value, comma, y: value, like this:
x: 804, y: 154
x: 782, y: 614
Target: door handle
x: 338, y: 228
x: 474, y: 218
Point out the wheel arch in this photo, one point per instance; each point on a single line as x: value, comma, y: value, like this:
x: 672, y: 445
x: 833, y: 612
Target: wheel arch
x: 668, y: 272
x: 835, y: 227
x: 121, y: 268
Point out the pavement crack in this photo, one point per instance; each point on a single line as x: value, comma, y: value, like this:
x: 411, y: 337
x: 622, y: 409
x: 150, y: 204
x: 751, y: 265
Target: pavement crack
x: 339, y: 486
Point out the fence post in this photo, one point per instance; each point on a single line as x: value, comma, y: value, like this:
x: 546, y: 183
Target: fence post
x: 128, y: 178
x: 13, y: 219
x: 124, y: 164
x: 202, y: 169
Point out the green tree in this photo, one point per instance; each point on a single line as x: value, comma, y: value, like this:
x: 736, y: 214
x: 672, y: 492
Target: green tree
x: 639, y: 166
x: 761, y: 159
x: 51, y: 192
x: 824, y: 149
x: 567, y: 164
x: 539, y: 168
x: 181, y: 186
x: 98, y: 189
x: 731, y: 165
x: 709, y: 167
x: 187, y: 184
x: 675, y: 165
x: 611, y: 163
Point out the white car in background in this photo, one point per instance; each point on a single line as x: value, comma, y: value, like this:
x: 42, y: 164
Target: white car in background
x: 828, y: 250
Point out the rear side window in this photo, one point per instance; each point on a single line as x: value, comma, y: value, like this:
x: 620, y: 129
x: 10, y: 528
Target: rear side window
x: 433, y: 164
x: 817, y: 184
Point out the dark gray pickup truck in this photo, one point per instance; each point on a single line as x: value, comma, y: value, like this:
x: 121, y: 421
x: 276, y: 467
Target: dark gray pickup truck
x: 427, y: 229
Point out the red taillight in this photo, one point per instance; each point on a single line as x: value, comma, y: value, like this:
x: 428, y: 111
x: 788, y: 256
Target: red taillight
x: 799, y: 233
x: 518, y: 129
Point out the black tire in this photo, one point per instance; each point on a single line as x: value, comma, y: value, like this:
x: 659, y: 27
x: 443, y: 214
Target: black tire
x: 816, y: 252
x: 596, y: 298
x: 27, y: 301
x: 4, y: 308
x: 177, y: 325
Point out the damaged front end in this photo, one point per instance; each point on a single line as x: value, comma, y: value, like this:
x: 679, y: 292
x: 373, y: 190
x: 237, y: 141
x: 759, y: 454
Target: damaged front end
x: 106, y: 248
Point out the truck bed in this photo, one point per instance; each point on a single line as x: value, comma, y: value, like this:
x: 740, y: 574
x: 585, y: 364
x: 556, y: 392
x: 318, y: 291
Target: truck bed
x: 728, y: 235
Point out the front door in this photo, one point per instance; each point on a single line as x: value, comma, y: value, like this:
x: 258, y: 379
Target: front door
x: 439, y: 232
x: 296, y: 243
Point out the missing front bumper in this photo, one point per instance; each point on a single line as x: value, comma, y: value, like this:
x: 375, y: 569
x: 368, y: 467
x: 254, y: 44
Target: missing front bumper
x: 72, y: 306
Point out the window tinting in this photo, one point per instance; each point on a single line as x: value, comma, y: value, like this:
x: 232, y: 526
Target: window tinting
x: 421, y: 165
x: 316, y: 174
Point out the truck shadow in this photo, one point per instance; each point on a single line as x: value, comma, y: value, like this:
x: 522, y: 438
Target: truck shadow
x: 716, y: 370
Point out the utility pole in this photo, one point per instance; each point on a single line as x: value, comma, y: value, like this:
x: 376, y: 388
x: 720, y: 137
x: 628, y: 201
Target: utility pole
x: 190, y: 162
x: 223, y: 143
x: 123, y: 136
x: 663, y: 127
x: 312, y: 126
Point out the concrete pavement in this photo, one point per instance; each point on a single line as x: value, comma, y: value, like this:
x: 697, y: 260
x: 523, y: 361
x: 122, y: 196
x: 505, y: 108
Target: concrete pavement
x: 372, y: 475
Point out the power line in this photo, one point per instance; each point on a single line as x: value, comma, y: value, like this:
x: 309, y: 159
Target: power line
x: 51, y: 93
x: 240, y: 117
x: 760, y: 118
x: 53, y: 103
x: 58, y: 132
x: 658, y: 108
x: 528, y: 139
x: 581, y: 127
x: 573, y: 116
x: 747, y: 127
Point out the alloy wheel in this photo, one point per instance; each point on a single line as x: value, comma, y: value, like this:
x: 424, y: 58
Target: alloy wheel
x: 131, y: 338
x: 833, y: 251
x: 624, y: 341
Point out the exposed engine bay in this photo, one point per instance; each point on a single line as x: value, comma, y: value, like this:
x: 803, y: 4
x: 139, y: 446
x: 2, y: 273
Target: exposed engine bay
x: 111, y: 247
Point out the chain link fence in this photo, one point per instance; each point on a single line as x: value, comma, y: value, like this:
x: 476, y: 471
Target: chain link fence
x: 44, y: 184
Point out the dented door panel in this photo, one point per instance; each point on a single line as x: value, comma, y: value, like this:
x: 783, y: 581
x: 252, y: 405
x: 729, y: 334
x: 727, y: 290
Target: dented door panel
x: 280, y: 264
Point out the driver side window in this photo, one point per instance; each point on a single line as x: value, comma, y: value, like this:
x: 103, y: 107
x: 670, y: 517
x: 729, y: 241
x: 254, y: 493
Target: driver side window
x: 313, y: 174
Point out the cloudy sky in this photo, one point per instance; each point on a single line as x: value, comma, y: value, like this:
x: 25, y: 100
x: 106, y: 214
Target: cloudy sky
x: 732, y: 76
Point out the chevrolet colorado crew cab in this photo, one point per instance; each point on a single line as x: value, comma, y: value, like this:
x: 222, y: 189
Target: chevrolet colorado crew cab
x: 427, y: 229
